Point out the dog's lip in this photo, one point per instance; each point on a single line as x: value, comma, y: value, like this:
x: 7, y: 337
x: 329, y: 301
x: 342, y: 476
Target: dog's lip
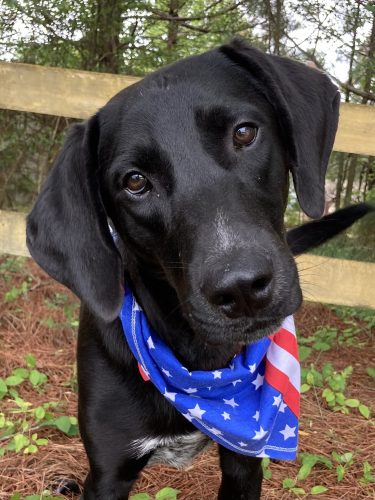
x: 241, y: 332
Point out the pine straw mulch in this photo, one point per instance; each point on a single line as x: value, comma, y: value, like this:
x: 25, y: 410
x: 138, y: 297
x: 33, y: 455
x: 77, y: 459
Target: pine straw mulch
x: 23, y: 330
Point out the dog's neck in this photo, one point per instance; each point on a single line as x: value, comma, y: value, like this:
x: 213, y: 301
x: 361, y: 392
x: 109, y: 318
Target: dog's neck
x: 162, y: 308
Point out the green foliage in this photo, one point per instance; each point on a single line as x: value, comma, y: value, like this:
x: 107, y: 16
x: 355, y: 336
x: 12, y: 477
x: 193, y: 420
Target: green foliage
x: 333, y: 384
x: 163, y: 494
x: 20, y: 420
x: 43, y: 496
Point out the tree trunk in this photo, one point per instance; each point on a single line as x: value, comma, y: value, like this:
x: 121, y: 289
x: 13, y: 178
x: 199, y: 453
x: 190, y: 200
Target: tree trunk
x: 340, y: 180
x: 351, y: 175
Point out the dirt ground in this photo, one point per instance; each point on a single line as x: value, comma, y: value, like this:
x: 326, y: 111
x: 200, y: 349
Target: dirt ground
x: 34, y: 323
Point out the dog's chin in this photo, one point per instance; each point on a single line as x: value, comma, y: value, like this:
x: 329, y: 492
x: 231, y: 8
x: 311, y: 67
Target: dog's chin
x: 240, y: 333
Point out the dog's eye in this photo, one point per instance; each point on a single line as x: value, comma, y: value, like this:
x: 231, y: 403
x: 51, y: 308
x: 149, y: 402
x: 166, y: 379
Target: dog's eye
x: 136, y: 183
x: 244, y: 134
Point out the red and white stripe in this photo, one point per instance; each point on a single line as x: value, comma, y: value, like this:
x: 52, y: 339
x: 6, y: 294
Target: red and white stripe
x: 282, y: 365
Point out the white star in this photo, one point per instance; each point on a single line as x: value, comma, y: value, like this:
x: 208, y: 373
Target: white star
x: 188, y: 416
x: 225, y: 416
x: 256, y: 416
x: 196, y: 412
x: 230, y: 402
x: 184, y: 368
x: 150, y: 343
x: 277, y: 400
x: 242, y: 444
x: 216, y: 374
x: 166, y: 372
x: 214, y: 431
x: 170, y: 395
x: 252, y: 368
x: 137, y: 307
x: 258, y: 381
x: 288, y: 432
x: 191, y: 390
x: 231, y: 366
x: 260, y: 434
x: 282, y: 407
x: 236, y: 382
x: 263, y: 454
x: 209, y: 388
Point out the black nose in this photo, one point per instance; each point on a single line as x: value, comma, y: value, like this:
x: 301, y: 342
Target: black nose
x: 241, y: 291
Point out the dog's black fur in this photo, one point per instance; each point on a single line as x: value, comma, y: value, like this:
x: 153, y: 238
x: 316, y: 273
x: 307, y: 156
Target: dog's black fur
x: 203, y: 247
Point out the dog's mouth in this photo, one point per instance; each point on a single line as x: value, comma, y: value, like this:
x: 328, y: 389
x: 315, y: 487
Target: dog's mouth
x: 243, y: 331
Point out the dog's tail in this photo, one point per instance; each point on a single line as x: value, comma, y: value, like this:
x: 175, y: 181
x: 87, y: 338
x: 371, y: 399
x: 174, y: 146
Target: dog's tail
x: 312, y: 234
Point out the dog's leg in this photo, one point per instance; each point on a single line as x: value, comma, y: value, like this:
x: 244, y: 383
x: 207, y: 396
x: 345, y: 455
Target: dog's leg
x: 112, y: 481
x: 242, y: 476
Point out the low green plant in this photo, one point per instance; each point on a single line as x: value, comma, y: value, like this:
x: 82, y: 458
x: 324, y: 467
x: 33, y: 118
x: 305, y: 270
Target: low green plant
x: 20, y: 421
x: 163, y: 494
x: 343, y: 462
x: 333, y: 384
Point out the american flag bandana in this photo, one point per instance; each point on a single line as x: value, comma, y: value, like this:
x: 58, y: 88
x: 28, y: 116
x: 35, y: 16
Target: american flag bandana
x: 250, y: 407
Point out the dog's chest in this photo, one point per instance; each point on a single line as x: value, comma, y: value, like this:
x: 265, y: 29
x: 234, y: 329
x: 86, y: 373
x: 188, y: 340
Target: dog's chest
x: 177, y: 451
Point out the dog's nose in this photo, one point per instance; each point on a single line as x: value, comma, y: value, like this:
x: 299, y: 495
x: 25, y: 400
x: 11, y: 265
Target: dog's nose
x: 241, y: 292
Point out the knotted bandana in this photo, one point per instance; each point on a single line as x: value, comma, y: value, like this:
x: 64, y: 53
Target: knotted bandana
x: 250, y: 407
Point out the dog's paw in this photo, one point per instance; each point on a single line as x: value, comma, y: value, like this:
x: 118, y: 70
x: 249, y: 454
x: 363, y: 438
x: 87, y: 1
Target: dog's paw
x: 66, y: 487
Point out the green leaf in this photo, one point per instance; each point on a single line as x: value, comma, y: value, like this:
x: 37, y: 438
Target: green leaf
x: 305, y: 470
x: 32, y: 448
x: 41, y: 441
x: 20, y: 441
x: 305, y: 388
x: 352, y: 403
x: 371, y: 371
x: 30, y: 360
x: 316, y: 490
x: 3, y: 388
x: 21, y: 372
x: 346, y: 458
x: 304, y: 352
x: 39, y: 412
x: 288, y: 483
x: 298, y: 491
x: 340, y: 472
x: 364, y: 410
x: 16, y: 496
x: 141, y: 496
x: 14, y: 380
x: 167, y: 494
x: 63, y: 424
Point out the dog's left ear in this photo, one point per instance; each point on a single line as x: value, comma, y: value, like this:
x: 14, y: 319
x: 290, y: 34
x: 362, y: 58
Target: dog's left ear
x: 306, y: 104
x: 67, y: 229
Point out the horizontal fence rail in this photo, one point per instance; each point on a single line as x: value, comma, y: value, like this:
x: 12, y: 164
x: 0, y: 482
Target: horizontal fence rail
x: 79, y: 94
x: 323, y: 279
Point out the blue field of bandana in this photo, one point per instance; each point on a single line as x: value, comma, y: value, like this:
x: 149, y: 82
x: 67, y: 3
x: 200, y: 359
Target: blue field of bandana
x: 234, y: 405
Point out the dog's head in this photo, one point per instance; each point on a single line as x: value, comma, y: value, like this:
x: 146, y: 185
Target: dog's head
x: 191, y: 165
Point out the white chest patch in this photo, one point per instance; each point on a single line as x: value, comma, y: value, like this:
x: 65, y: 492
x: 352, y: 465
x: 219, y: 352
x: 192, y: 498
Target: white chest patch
x: 177, y: 451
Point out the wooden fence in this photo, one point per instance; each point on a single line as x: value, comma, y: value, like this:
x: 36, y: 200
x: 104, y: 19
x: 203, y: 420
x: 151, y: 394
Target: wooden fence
x: 78, y: 94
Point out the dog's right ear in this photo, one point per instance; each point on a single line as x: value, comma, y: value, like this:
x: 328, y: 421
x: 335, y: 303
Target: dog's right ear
x: 67, y: 230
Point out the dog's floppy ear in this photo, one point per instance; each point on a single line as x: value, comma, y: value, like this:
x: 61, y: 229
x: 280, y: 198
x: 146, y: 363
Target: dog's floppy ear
x: 307, y: 107
x: 67, y: 230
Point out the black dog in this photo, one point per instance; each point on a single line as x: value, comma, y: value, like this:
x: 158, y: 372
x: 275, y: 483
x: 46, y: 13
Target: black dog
x: 191, y: 166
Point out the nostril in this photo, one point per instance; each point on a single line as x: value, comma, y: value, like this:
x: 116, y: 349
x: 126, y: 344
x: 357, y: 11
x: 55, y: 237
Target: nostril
x: 260, y: 284
x: 223, y: 299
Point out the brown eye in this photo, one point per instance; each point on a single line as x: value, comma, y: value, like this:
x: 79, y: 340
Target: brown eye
x: 136, y: 183
x: 244, y: 135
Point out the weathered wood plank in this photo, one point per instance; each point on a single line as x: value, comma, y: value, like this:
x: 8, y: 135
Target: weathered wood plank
x: 78, y: 94
x: 13, y: 233
x: 57, y: 91
x: 331, y: 281
x: 356, y: 132
x: 337, y: 281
